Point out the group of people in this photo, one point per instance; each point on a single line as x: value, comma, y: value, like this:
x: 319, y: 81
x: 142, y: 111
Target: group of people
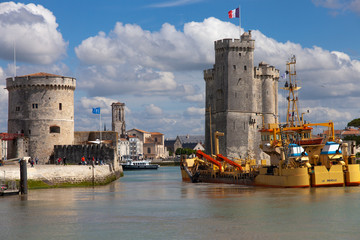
x: 60, y: 161
x: 91, y: 161
x: 33, y: 161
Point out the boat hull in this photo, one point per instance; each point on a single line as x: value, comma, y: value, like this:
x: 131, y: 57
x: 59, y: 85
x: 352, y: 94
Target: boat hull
x: 352, y: 175
x: 289, y: 178
x: 213, y: 177
x: 322, y: 177
x: 140, y: 167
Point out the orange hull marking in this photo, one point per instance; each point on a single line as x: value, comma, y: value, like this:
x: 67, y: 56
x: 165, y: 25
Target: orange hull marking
x: 329, y: 185
x: 352, y: 183
x: 278, y: 186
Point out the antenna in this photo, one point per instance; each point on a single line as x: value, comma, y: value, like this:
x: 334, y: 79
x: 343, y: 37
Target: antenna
x: 14, y: 60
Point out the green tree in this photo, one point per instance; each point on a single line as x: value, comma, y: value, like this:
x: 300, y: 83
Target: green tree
x: 186, y: 151
x: 354, y: 123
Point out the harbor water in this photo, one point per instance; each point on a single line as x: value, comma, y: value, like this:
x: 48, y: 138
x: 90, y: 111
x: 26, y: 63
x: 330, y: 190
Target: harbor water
x: 156, y: 204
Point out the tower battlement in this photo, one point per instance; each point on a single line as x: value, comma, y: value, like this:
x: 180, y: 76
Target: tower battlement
x: 208, y: 74
x: 243, y: 44
x: 41, y: 80
x: 265, y: 69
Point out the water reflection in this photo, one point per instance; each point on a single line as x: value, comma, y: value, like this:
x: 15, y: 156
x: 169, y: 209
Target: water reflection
x: 157, y: 205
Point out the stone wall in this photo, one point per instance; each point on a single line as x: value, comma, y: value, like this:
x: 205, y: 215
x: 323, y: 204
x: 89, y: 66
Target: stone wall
x: 74, y: 153
x: 73, y: 174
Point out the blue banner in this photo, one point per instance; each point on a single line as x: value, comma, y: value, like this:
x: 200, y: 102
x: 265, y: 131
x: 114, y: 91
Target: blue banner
x: 96, y: 110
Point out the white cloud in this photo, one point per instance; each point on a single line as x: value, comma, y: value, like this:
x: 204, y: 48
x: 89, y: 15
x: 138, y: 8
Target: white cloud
x: 33, y: 30
x: 153, y: 110
x: 174, y: 3
x: 168, y: 64
x: 168, y: 49
x: 339, y: 5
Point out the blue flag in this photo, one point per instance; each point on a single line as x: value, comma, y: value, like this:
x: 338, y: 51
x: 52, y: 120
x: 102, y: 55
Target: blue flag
x: 96, y: 110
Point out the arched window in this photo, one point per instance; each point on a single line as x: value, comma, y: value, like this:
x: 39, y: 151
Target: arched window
x: 54, y: 129
x: 149, y: 150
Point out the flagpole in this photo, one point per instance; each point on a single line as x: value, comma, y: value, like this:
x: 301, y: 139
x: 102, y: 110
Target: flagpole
x: 240, y: 21
x: 100, y: 127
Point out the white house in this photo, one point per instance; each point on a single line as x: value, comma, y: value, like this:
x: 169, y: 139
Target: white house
x: 123, y: 149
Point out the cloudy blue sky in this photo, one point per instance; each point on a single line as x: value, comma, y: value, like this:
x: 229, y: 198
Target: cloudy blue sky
x: 151, y: 54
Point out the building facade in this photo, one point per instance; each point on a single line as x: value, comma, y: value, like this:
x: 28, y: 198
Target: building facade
x: 238, y: 97
x: 153, y: 143
x: 136, y: 148
x: 41, y: 107
x: 123, y: 149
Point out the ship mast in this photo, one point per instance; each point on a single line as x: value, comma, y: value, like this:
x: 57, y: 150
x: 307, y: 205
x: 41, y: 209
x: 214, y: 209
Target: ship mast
x: 292, y: 116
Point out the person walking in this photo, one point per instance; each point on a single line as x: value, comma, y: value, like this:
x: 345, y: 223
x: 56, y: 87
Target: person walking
x: 83, y: 160
x: 64, y: 161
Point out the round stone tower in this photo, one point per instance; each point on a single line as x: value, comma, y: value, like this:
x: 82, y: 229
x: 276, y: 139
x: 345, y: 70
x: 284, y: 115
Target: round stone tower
x: 41, y: 106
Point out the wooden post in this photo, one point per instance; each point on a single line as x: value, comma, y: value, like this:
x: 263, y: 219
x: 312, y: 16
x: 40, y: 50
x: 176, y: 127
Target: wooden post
x: 23, y: 177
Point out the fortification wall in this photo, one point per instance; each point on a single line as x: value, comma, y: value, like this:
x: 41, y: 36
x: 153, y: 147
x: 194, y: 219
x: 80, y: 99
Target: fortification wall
x: 73, y: 174
x: 74, y: 153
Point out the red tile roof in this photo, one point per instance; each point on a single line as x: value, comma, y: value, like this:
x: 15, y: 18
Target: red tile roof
x: 156, y: 133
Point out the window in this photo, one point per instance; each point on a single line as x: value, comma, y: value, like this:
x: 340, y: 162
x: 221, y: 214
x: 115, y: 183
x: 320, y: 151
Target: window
x: 156, y: 139
x: 239, y: 54
x: 244, y: 68
x: 234, y: 66
x: 60, y: 106
x: 35, y: 105
x: 17, y: 109
x: 54, y: 129
x: 149, y: 150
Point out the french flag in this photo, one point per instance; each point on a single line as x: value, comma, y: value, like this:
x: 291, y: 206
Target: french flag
x: 235, y: 13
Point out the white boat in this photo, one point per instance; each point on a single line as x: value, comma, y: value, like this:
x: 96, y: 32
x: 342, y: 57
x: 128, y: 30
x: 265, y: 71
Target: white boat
x: 139, y: 165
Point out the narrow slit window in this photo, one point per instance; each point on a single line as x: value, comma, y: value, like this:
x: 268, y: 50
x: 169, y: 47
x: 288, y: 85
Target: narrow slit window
x: 60, y: 106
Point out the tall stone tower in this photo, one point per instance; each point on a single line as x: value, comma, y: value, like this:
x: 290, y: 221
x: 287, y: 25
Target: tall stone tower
x: 41, y: 106
x: 118, y: 118
x: 238, y: 97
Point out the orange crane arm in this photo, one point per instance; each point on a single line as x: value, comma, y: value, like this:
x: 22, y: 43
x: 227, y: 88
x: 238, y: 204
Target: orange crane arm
x: 328, y: 124
x: 200, y: 154
x: 223, y: 158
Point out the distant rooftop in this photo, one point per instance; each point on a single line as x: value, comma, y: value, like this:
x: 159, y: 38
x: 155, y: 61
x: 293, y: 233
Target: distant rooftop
x: 192, y: 139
